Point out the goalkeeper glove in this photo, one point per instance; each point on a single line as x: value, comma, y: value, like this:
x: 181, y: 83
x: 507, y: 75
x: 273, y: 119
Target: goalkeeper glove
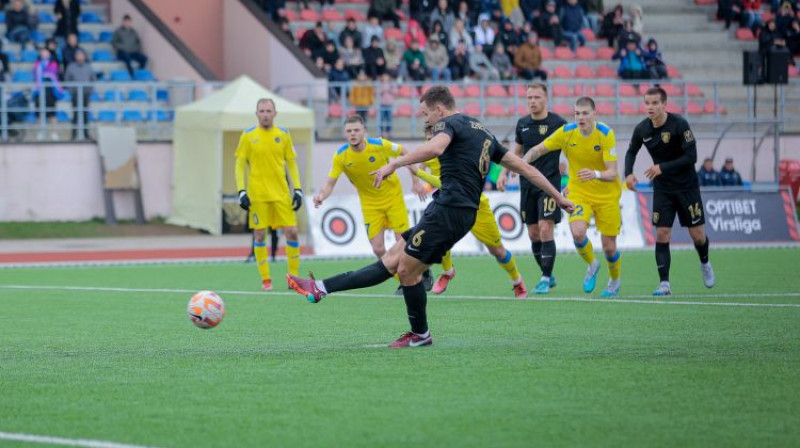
x: 297, y: 199
x: 244, y: 201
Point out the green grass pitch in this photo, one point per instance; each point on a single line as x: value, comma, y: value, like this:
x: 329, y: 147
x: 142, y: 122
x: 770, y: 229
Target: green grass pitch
x: 122, y: 363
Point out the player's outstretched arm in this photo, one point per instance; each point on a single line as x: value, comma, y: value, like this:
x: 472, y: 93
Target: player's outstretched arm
x: 320, y: 197
x: 517, y: 165
x: 534, y: 153
x: 607, y: 175
x: 630, y: 159
x: 428, y: 150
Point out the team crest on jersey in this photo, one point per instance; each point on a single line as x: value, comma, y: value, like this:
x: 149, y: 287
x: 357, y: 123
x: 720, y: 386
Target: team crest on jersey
x: 688, y: 136
x: 597, y: 147
x: 665, y: 137
x: 438, y: 126
x: 656, y: 217
x: 372, y: 159
x: 543, y: 129
x: 277, y: 139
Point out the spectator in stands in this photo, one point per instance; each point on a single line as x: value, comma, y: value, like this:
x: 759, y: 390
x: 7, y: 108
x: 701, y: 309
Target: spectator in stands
x: 55, y: 54
x: 784, y: 19
x: 362, y: 95
x: 654, y: 61
x: 502, y: 62
x: 593, y: 10
x: 273, y: 8
x: 374, y: 60
x: 414, y: 60
x: 437, y: 60
x: 387, y: 92
x: 4, y: 63
x: 329, y: 55
x: 730, y: 11
x: 351, y: 30
x: 352, y: 57
x: 394, y: 59
x: 286, y: 27
x: 751, y: 14
x: 484, y: 34
x: 549, y: 24
x: 531, y: 9
x: 18, y: 27
x: 438, y: 31
x: 385, y: 10
x: 420, y: 10
x: 637, y: 19
x: 414, y: 34
x: 337, y: 74
x: 793, y: 37
x: 612, y: 25
x: 572, y: 19
x: 459, y: 33
x: 372, y: 29
x: 528, y: 59
x: 465, y: 13
x: 459, y: 61
x: 766, y: 38
x: 628, y: 35
x: 631, y: 62
x: 481, y: 66
x: 509, y: 37
x: 45, y: 74
x: 728, y: 176
x: 707, y: 176
x: 313, y: 41
x: 68, y: 13
x: 325, y: 4
x: 69, y: 50
x: 329, y: 27
x: 129, y: 47
x: 80, y: 71
x: 443, y: 14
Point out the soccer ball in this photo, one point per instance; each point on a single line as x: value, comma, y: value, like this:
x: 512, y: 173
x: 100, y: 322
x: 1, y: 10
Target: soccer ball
x: 206, y: 309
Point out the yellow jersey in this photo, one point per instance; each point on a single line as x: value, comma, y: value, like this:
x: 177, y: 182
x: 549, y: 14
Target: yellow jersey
x: 268, y: 153
x: 587, y: 152
x: 357, y: 166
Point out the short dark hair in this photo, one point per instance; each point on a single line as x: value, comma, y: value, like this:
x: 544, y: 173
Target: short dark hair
x: 585, y: 101
x: 538, y: 85
x: 657, y: 90
x: 126, y: 17
x: 354, y: 119
x: 438, y: 95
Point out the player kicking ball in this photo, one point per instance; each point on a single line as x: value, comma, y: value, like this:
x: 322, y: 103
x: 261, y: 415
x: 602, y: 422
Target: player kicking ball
x: 675, y: 187
x: 590, y: 149
x: 485, y: 230
x: 465, y: 149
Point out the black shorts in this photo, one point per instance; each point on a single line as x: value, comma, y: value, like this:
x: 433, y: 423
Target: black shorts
x: 535, y: 205
x: 686, y: 203
x: 439, y: 229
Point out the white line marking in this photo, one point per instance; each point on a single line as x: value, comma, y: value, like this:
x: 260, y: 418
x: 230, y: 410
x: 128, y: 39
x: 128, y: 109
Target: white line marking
x: 634, y: 299
x: 19, y: 437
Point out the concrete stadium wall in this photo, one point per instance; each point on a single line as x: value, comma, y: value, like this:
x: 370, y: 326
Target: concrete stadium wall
x: 61, y: 182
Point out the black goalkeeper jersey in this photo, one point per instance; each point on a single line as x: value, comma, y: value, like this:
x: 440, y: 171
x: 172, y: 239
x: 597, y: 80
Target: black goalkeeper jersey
x: 530, y: 133
x: 672, y: 147
x: 465, y: 161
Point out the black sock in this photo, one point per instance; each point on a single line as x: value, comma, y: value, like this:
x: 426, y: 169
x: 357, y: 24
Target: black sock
x: 702, y: 250
x: 663, y: 260
x: 416, y: 301
x: 367, y: 276
x: 536, y: 247
x: 548, y: 257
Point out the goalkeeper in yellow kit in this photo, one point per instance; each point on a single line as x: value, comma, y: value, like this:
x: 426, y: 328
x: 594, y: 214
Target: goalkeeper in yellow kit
x: 594, y: 188
x: 485, y: 230
x: 268, y: 152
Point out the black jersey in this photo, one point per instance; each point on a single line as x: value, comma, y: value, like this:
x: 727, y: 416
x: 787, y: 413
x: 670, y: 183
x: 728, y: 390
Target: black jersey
x: 465, y: 161
x: 530, y: 133
x: 672, y: 147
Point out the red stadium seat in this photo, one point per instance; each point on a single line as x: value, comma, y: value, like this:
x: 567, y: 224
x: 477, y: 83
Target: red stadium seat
x: 472, y: 91
x: 584, y: 71
x: 496, y: 110
x: 672, y: 90
x: 425, y: 88
x: 291, y: 15
x: 605, y: 108
x: 562, y: 71
x: 673, y: 72
x: 628, y: 108
x: 694, y: 89
x: 583, y: 89
x: 355, y: 14
x: 711, y: 107
x: 588, y: 34
x: 472, y: 109
x: 519, y: 111
x: 393, y: 34
x: 606, y: 71
x: 693, y: 108
x: 564, y: 54
x: 496, y: 91
x: 605, y: 53
x: 562, y: 90
x: 605, y: 90
x: 565, y: 110
x: 627, y: 90
x: 674, y: 108
x: 299, y: 32
x: 403, y: 110
x: 456, y: 91
x: 642, y: 108
x: 745, y: 34
x: 705, y: 2
x: 586, y: 54
x: 404, y: 91
x: 309, y: 15
x: 335, y: 110
x: 332, y: 14
x: 520, y: 90
x: 546, y: 53
x: 400, y: 14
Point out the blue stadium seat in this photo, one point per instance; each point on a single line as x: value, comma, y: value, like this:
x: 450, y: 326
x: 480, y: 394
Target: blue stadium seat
x: 12, y: 56
x: 91, y: 17
x: 143, y: 75
x: 105, y: 36
x: 164, y: 115
x: 30, y: 117
x: 138, y: 95
x: 85, y: 36
x: 111, y: 95
x: 162, y: 95
x: 94, y: 97
x: 65, y: 95
x: 102, y: 56
x: 29, y: 56
x: 22, y: 76
x: 62, y: 116
x: 46, y: 17
x: 2, y: 16
x: 132, y: 115
x: 105, y: 116
x: 38, y: 37
x: 47, y: 2
x: 120, y: 75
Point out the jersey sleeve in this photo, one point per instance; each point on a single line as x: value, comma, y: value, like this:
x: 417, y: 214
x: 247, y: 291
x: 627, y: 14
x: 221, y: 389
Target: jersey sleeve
x: 518, y: 135
x: 288, y: 148
x: 609, y: 147
x: 242, y: 156
x: 391, y: 149
x: 556, y: 140
x: 337, y: 167
x: 498, y: 152
x: 688, y: 145
x: 444, y: 126
x: 633, y: 149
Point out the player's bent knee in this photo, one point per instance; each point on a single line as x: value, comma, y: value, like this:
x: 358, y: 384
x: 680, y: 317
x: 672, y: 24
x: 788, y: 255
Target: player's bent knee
x: 258, y: 235
x: 663, y: 234
x: 291, y: 233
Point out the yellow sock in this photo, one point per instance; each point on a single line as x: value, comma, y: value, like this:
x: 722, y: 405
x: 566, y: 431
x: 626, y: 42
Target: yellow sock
x: 293, y: 257
x: 447, y: 261
x: 585, y: 250
x: 509, y: 264
x: 260, y: 251
x: 614, y: 266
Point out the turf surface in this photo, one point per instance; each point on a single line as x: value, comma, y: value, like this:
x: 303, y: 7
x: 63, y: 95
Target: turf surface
x: 127, y: 366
